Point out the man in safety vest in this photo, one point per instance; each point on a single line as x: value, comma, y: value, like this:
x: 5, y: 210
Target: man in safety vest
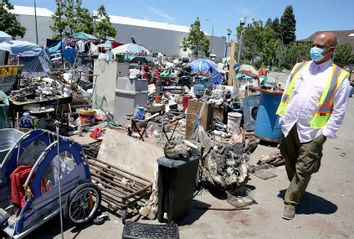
x: 311, y: 110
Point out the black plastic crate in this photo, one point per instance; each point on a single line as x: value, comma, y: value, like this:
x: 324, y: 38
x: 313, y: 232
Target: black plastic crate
x: 136, y: 230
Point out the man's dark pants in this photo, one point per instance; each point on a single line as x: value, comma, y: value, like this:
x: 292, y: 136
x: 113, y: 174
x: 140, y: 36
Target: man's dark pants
x: 301, y: 161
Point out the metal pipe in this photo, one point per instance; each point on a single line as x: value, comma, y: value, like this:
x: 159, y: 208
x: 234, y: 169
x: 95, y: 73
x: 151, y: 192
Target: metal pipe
x: 35, y: 20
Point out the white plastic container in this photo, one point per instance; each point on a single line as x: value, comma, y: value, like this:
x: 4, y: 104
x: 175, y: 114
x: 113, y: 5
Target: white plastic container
x: 234, y: 121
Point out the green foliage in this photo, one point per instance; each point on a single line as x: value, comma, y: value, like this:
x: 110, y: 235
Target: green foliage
x: 277, y: 29
x: 70, y: 17
x: 196, y: 40
x: 288, y: 25
x: 104, y: 27
x: 343, y: 55
x: 296, y: 52
x: 252, y: 41
x: 8, y: 21
x: 269, y: 23
x: 270, y: 46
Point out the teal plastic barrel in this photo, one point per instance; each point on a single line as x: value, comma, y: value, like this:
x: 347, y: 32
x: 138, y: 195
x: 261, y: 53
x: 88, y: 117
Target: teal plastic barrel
x: 267, y: 122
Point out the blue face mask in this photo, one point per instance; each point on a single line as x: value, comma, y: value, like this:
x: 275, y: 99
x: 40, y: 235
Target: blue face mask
x: 316, y: 54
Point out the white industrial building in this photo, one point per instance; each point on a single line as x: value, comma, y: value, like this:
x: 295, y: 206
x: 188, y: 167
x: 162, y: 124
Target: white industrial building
x: 155, y: 36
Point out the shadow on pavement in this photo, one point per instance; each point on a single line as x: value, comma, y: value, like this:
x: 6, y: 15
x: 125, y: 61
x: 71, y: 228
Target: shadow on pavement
x: 53, y: 224
x: 196, y: 210
x: 312, y: 204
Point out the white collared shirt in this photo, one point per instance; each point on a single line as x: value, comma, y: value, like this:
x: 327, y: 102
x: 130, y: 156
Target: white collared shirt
x: 304, y: 102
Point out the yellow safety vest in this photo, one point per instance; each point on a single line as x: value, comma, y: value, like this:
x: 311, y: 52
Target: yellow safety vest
x: 324, y: 112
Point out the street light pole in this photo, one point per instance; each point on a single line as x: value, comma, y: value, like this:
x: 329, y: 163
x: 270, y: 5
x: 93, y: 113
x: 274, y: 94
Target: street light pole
x: 227, y: 40
x: 35, y: 20
x: 212, y: 35
x: 59, y: 4
x: 242, y: 23
x: 94, y: 17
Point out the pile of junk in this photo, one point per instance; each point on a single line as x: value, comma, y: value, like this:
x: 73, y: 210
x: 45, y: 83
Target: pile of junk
x: 140, y: 136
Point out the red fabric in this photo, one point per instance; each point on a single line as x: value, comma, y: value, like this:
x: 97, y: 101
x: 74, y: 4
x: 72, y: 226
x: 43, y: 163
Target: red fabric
x: 262, y: 72
x: 116, y: 44
x: 17, y: 179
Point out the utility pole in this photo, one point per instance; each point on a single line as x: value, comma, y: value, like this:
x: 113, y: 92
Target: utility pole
x: 227, y: 40
x: 212, y: 35
x: 35, y: 20
x: 59, y: 4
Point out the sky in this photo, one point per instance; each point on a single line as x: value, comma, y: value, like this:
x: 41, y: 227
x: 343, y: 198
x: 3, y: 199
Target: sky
x: 310, y: 15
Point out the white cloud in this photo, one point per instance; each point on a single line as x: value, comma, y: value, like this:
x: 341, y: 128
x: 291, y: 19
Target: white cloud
x: 159, y: 13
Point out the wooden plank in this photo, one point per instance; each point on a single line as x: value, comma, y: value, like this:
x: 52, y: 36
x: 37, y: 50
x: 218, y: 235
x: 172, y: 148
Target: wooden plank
x: 194, y: 107
x: 129, y: 154
x: 231, y: 65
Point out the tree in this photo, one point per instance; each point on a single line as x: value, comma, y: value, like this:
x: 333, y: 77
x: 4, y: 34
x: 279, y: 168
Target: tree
x: 288, y: 25
x: 270, y: 47
x: 8, y: 21
x: 296, y: 52
x: 269, y: 23
x: 104, y: 27
x: 196, y: 40
x: 343, y: 55
x: 83, y: 19
x: 252, y: 40
x: 277, y: 29
x: 70, y: 17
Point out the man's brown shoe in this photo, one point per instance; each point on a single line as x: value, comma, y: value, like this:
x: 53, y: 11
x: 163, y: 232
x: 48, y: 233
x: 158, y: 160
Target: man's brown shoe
x: 288, y: 212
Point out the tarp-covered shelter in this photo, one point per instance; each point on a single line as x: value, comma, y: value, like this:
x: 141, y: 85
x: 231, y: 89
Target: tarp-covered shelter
x: 33, y: 58
x: 206, y: 66
x: 5, y: 37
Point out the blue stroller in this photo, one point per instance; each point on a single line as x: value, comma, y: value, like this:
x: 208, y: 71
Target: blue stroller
x: 33, y: 173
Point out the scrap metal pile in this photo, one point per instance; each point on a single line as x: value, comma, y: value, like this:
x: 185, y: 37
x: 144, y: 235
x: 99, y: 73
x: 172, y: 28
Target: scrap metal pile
x: 224, y: 164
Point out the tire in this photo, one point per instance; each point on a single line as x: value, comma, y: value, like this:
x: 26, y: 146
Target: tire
x: 79, y: 208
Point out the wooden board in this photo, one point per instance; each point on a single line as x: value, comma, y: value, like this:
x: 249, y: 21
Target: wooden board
x: 130, y: 154
x: 194, y: 107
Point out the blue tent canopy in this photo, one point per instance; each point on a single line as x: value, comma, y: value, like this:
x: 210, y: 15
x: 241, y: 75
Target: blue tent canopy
x: 206, y: 66
x: 21, y: 48
x: 83, y: 36
x: 33, y: 58
x: 5, y: 37
x: 57, y: 46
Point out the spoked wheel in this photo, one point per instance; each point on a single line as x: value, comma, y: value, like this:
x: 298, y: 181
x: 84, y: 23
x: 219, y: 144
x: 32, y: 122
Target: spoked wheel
x: 83, y: 203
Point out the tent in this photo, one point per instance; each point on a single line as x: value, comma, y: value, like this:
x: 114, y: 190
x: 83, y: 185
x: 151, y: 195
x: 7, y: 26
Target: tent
x: 33, y: 58
x: 131, y: 49
x: 206, y: 66
x: 5, y: 37
x: 83, y: 36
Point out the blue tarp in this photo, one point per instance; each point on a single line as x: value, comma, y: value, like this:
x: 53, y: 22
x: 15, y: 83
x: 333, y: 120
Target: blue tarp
x: 206, y: 66
x: 56, y: 47
x: 21, y: 48
x: 69, y: 55
x: 33, y: 58
x: 35, y: 65
x: 5, y: 37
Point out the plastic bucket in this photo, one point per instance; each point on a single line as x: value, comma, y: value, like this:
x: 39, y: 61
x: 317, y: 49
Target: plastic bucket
x: 234, y: 121
x: 87, y: 117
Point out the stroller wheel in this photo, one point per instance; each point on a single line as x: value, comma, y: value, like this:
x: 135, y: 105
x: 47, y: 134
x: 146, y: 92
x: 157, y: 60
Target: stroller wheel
x: 83, y: 203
